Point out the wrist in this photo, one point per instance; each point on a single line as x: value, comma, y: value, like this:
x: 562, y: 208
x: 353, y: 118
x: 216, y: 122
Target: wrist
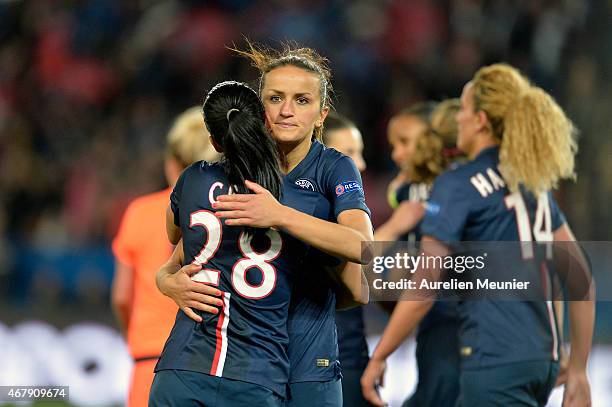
x: 577, y: 368
x: 162, y: 283
x: 378, y: 356
x: 284, y: 214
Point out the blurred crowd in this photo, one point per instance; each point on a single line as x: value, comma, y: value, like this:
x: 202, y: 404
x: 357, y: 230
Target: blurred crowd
x: 88, y: 90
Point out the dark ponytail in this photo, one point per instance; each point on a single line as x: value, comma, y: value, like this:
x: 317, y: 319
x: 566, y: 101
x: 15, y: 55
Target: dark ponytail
x: 235, y: 119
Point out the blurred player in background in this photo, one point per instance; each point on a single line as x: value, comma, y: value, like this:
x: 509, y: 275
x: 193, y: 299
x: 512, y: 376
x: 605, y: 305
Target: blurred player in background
x: 518, y: 136
x: 430, y: 152
x: 437, y: 350
x: 141, y: 247
x: 403, y: 132
x: 341, y: 134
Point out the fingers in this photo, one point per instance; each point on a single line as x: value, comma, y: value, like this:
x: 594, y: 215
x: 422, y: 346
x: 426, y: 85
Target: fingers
x: 191, y: 269
x: 233, y: 198
x: 255, y: 187
x: 230, y: 205
x: 189, y: 312
x: 202, y: 307
x: 371, y: 395
x: 206, y: 299
x: 239, y: 222
x: 230, y: 214
x: 206, y: 289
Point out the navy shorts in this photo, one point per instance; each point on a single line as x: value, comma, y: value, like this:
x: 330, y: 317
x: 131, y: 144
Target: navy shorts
x: 185, y: 388
x: 352, y: 395
x: 320, y: 394
x: 437, y: 355
x: 522, y: 384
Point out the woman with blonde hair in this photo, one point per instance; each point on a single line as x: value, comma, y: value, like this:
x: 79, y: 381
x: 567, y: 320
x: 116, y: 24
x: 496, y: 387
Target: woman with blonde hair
x: 520, y: 145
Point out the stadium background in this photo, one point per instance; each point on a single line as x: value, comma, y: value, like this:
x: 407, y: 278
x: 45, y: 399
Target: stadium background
x: 88, y: 90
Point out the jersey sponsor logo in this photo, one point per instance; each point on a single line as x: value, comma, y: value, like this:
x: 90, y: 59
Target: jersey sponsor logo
x: 322, y: 362
x: 346, y: 187
x: 432, y: 208
x: 305, y: 184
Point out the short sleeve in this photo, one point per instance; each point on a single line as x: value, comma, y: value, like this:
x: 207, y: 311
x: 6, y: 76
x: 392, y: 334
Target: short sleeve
x: 175, y: 197
x: 344, y: 186
x: 403, y: 192
x: 556, y: 215
x: 446, y: 211
x: 125, y: 243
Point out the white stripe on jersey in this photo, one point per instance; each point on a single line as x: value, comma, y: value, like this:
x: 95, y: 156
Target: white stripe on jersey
x: 223, y: 355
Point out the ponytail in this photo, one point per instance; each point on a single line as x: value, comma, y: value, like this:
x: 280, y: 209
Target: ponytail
x: 234, y: 117
x: 537, y: 139
x: 538, y: 144
x: 251, y: 154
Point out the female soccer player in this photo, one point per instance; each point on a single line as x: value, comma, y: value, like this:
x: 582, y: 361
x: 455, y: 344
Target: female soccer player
x: 295, y: 88
x: 520, y: 144
x: 403, y: 132
x: 432, y: 150
x: 238, y: 357
x: 141, y: 247
x: 437, y: 350
x: 341, y: 134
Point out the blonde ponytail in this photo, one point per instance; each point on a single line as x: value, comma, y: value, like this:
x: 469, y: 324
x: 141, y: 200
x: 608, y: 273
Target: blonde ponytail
x: 538, y: 144
x: 537, y: 139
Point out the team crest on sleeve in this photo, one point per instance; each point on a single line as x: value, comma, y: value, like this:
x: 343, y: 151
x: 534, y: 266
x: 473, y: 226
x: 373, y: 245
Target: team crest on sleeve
x: 432, y: 208
x: 305, y: 184
x: 346, y: 187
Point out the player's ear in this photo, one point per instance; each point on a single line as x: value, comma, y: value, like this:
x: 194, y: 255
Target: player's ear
x: 216, y: 146
x: 483, y: 120
x: 322, y: 116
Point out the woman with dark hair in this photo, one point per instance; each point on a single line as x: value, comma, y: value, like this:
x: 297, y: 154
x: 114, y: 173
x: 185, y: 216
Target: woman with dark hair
x: 329, y: 214
x: 238, y: 355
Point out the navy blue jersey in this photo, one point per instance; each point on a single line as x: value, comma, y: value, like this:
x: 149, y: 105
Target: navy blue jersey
x: 472, y: 203
x: 415, y: 192
x: 351, y: 338
x: 248, y: 339
x: 329, y: 181
x: 419, y: 192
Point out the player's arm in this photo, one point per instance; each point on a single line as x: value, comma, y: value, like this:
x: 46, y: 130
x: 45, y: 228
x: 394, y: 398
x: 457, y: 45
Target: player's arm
x: 351, y: 287
x: 175, y: 282
x: 581, y: 311
x: 563, y: 356
x: 122, y: 293
x: 404, y: 218
x: 405, y: 317
x: 343, y: 239
x: 173, y: 231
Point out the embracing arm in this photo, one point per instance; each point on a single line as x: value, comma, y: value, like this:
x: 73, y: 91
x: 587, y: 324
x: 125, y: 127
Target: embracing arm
x: 351, y: 275
x: 343, y: 239
x: 175, y: 282
x: 173, y: 231
x: 351, y: 286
